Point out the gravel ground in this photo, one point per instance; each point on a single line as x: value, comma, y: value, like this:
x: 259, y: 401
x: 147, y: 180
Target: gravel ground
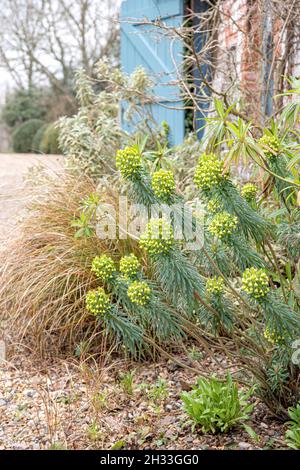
x: 68, y: 405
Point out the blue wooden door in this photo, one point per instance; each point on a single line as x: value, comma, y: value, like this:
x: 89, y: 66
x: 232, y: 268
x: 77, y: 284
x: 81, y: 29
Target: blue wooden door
x: 144, y: 45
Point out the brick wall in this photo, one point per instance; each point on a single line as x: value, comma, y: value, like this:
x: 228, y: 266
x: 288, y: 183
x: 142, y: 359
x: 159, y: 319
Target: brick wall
x: 240, y: 63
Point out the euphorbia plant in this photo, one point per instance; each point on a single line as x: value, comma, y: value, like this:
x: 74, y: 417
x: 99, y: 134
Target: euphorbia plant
x: 248, y: 313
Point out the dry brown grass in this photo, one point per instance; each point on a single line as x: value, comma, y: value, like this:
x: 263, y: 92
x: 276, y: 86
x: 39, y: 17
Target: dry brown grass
x: 45, y: 271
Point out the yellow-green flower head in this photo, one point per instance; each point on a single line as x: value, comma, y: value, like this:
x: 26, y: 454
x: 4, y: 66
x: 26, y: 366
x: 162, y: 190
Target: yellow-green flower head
x: 223, y: 225
x: 214, y: 206
x: 158, y: 237
x: 255, y: 282
x: 273, y: 337
x: 209, y: 172
x: 97, y: 302
x: 249, y: 191
x: 139, y: 293
x: 129, y: 162
x: 104, y: 267
x: 163, y: 184
x: 215, y: 285
x: 129, y: 266
x: 165, y: 127
x: 270, y: 145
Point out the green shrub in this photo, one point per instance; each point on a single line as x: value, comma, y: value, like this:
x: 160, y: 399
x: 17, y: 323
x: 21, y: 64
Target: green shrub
x: 217, y: 406
x: 90, y: 138
x: 23, y: 136
x: 24, y: 105
x: 36, y: 143
x: 292, y: 436
x: 49, y: 141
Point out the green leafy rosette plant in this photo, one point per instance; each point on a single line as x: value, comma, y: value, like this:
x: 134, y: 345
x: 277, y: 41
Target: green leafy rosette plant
x: 292, y: 435
x: 217, y: 406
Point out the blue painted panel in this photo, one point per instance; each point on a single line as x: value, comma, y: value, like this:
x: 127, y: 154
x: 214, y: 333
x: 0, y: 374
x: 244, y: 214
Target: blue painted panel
x: 145, y: 45
x: 200, y: 39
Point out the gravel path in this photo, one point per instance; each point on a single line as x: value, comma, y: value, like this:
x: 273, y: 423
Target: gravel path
x: 13, y: 168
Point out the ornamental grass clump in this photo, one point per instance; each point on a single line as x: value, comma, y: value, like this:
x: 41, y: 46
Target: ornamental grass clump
x: 163, y: 184
x: 139, y: 293
x: 46, y: 268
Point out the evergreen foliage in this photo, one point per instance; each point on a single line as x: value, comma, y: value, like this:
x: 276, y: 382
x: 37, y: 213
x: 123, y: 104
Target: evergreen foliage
x: 37, y: 139
x: 49, y: 141
x: 22, y: 137
x: 22, y: 106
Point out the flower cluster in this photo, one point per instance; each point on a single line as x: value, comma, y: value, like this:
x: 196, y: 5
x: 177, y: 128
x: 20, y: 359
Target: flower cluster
x: 163, y: 184
x: 215, y: 285
x: 270, y: 145
x: 129, y: 162
x: 255, y: 282
x: 97, y: 302
x: 129, y: 266
x: 209, y: 172
x: 249, y: 191
x: 104, y: 267
x: 223, y: 225
x: 158, y: 237
x: 272, y: 336
x: 139, y: 293
x: 213, y: 206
